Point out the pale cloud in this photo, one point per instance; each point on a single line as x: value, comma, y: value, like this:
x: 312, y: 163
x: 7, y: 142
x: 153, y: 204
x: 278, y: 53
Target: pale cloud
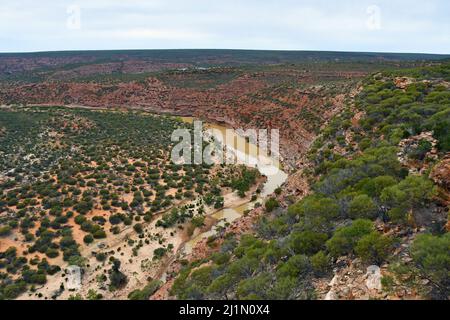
x: 405, y: 25
x: 143, y: 33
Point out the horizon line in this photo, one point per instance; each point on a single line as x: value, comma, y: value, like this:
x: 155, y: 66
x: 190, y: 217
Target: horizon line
x: 223, y: 49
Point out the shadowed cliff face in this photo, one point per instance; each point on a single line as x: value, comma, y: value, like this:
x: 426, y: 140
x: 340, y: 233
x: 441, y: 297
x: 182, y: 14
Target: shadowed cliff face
x: 298, y: 99
x: 296, y: 92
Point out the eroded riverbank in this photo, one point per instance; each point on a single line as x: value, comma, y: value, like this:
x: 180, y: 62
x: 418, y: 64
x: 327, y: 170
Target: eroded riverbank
x: 251, y: 155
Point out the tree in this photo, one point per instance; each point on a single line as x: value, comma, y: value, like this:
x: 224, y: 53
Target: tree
x: 286, y: 288
x: 320, y: 263
x: 315, y: 213
x: 13, y: 290
x: 345, y: 238
x: 138, y: 228
x: 362, y: 207
x: 158, y: 253
x: 209, y: 199
x: 440, y: 124
x: 116, y: 277
x: 115, y: 219
x: 220, y: 286
x: 202, y: 278
x: 412, y: 192
x: 374, y: 187
x: 80, y: 219
x: 88, y: 239
x: 198, y: 221
x: 255, y: 287
x: 99, y: 234
x: 5, y: 231
x: 374, y: 248
x: 100, y: 256
x: 83, y: 207
x: 398, y: 214
x: 431, y: 259
x: 297, y: 265
x: 77, y: 260
x: 94, y: 295
x: 52, y: 253
x: 34, y: 277
x: 219, y: 203
x: 315, y: 206
x: 271, y: 204
x: 307, y: 242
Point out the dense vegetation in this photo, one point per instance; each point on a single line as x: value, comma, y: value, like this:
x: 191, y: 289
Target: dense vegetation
x: 57, y: 66
x: 70, y: 177
x: 69, y: 60
x: 359, y: 185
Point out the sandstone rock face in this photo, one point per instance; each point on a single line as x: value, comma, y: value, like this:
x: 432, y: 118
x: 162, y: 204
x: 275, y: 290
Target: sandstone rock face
x: 350, y: 282
x: 287, y: 98
x: 441, y: 176
x: 402, y: 82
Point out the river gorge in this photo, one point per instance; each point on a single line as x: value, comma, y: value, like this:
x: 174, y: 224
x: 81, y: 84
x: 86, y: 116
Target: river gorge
x: 251, y: 155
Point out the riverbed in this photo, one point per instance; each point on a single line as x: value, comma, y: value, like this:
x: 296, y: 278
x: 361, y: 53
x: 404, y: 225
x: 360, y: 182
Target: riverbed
x: 252, y: 156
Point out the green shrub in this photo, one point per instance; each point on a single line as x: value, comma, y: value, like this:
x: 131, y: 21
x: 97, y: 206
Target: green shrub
x: 116, y: 277
x: 345, y: 239
x: 101, y: 257
x: 88, y: 239
x: 320, y: 263
x: 52, y: 253
x: 80, y: 219
x: 198, y: 221
x: 307, y: 242
x: 431, y: 259
x: 94, y: 295
x: 297, y: 265
x: 271, y: 204
x: 362, y: 207
x: 138, y: 228
x: 100, y: 234
x: 12, y: 291
x: 374, y: 248
x: 146, y: 292
x: 5, y: 231
x: 159, y: 253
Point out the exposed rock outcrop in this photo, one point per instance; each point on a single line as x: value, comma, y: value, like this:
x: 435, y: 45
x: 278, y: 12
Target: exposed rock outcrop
x: 441, y: 176
x: 403, y: 82
x: 411, y: 144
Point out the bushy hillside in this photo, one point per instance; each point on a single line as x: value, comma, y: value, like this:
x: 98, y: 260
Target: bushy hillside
x: 373, y: 203
x: 88, y: 188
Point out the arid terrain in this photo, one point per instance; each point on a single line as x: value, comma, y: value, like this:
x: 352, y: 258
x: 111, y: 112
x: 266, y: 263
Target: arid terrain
x: 294, y: 92
x: 85, y: 177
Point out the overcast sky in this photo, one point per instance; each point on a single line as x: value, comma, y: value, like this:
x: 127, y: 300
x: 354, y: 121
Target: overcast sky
x: 340, y: 25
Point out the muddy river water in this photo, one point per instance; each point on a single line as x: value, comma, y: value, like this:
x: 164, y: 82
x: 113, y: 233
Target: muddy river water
x: 252, y: 156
